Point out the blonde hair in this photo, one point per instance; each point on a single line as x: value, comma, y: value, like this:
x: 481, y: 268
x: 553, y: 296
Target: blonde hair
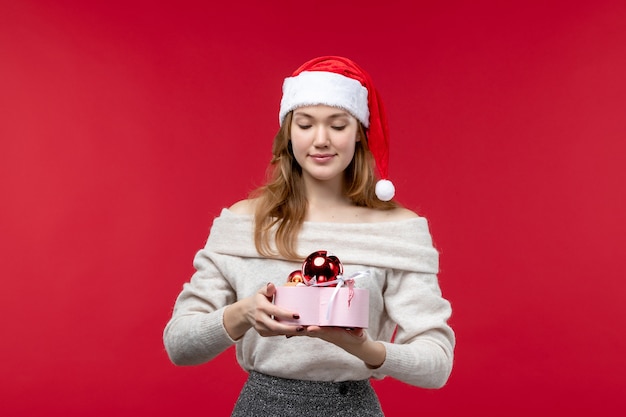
x: 281, y: 202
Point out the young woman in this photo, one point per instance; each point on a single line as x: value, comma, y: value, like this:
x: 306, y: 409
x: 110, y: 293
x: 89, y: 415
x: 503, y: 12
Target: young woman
x: 323, y: 193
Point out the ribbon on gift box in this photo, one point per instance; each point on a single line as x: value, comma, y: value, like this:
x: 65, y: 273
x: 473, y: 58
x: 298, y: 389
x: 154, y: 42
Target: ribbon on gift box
x: 340, y: 282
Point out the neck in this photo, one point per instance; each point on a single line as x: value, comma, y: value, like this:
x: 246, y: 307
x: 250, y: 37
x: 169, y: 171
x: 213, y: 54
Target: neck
x: 326, y: 201
x: 325, y: 193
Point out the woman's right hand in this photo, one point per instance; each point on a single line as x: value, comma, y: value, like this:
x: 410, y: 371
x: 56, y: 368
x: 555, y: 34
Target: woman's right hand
x: 258, y: 312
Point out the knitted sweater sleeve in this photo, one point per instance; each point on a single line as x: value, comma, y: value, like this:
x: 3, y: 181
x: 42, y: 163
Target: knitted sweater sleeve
x: 422, y: 351
x: 196, y: 334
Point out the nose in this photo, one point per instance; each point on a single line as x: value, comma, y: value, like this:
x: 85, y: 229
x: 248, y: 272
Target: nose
x: 321, y: 137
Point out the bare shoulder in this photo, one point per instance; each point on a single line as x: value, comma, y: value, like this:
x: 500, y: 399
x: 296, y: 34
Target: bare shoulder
x: 371, y: 215
x: 398, y: 213
x: 243, y: 206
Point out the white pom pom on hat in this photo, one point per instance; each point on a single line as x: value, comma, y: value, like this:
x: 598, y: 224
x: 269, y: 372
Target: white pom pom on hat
x: 339, y: 82
x: 385, y: 190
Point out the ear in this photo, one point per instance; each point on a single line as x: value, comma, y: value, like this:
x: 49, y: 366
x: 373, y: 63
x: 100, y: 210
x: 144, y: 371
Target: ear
x: 360, y: 133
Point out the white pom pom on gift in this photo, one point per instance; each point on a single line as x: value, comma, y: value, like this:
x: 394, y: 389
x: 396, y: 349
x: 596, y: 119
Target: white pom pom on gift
x: 385, y: 190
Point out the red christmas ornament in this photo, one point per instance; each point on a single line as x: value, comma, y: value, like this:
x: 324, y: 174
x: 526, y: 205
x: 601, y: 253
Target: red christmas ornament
x: 295, y: 277
x: 320, y: 267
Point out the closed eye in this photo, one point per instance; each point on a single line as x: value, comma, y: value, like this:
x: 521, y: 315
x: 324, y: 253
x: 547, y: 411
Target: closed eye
x: 339, y: 128
x: 304, y: 127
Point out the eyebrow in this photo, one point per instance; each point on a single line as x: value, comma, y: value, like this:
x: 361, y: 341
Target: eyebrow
x: 332, y: 116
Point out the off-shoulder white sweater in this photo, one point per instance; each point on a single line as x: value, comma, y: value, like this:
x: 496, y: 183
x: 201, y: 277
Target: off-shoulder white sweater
x: 404, y: 295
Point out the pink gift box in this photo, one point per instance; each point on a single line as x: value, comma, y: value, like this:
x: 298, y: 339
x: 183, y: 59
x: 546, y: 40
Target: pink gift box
x: 312, y: 303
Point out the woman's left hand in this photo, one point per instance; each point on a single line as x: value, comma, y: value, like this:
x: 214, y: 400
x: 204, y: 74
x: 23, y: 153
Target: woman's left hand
x: 341, y: 336
x: 354, y: 341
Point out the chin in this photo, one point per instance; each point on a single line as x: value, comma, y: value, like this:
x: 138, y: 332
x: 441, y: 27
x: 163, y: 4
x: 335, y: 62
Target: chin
x: 324, y: 178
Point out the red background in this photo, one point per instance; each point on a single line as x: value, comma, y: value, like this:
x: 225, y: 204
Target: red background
x: 126, y: 126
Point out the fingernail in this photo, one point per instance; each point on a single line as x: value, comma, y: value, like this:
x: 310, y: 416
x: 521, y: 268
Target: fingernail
x: 296, y: 316
x: 300, y: 329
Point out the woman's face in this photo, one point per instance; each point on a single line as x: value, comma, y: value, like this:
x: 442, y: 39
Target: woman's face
x: 323, y: 140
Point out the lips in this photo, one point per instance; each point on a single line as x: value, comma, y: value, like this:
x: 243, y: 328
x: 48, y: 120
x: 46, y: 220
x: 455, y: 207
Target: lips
x: 321, y: 158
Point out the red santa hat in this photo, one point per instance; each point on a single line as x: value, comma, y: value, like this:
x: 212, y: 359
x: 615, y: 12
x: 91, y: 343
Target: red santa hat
x: 338, y: 82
